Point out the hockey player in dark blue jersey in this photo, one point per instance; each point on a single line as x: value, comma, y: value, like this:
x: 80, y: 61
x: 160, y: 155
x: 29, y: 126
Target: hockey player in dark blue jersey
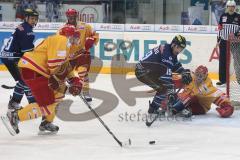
x: 155, y: 70
x: 20, y: 41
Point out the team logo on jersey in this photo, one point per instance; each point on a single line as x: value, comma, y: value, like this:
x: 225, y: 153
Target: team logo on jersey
x: 224, y: 19
x: 61, y: 53
x: 24, y: 61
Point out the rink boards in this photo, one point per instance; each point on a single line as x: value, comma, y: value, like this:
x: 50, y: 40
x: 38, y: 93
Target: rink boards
x: 118, y: 50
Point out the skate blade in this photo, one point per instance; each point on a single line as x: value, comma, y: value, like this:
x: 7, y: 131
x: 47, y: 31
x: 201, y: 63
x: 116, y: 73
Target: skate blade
x: 7, y: 124
x: 44, y: 133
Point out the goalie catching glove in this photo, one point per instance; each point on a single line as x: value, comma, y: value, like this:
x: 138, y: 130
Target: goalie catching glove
x: 75, y: 86
x: 186, y: 77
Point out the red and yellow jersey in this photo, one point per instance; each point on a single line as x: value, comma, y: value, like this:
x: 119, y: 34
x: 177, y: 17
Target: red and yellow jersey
x: 46, y: 58
x: 206, y: 93
x: 85, y: 32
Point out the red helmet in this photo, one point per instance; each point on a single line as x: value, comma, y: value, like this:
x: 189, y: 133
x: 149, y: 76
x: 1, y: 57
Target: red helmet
x: 71, y: 12
x: 201, y: 74
x: 69, y: 31
x: 202, y: 69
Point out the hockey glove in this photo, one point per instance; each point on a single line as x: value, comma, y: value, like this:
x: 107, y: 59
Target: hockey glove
x: 89, y: 43
x: 186, y: 77
x: 75, y: 86
x: 54, y: 82
x: 59, y: 75
x: 83, y: 59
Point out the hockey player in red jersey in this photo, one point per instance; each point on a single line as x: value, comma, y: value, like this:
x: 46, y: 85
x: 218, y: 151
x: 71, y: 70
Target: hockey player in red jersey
x: 88, y: 39
x: 45, y: 70
x: 200, y: 94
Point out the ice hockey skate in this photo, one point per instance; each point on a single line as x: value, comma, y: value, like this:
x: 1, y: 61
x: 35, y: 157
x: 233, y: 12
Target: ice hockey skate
x: 47, y: 128
x: 11, y: 121
x: 12, y: 104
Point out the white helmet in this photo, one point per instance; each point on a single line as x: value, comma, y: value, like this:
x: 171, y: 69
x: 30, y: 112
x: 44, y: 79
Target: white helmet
x: 231, y: 3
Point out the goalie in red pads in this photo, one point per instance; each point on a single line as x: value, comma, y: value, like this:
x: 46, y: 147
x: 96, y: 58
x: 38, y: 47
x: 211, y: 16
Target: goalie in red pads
x: 200, y: 94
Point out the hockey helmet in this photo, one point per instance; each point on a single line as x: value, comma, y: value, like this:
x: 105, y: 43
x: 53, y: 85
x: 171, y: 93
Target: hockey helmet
x: 179, y: 40
x: 30, y: 12
x: 70, y: 31
x: 201, y: 73
x: 231, y: 3
x: 71, y: 12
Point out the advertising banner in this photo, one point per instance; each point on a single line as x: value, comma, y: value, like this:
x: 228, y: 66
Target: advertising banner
x: 131, y: 47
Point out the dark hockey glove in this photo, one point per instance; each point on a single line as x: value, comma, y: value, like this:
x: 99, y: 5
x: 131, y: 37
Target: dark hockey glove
x: 186, y: 77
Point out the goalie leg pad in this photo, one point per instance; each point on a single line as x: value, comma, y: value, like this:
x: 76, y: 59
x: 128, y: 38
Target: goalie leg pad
x: 225, y: 110
x: 192, y: 103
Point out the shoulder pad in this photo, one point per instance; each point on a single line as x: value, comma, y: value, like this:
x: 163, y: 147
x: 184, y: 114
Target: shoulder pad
x: 20, y: 27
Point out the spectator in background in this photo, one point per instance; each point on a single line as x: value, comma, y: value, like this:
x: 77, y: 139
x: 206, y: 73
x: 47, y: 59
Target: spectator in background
x: 52, y: 10
x: 22, y: 5
x: 218, y: 8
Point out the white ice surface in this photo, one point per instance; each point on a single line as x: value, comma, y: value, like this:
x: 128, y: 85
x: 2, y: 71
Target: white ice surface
x: 204, y: 137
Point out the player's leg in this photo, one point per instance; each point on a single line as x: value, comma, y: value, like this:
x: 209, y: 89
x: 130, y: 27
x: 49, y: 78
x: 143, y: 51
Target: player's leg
x: 149, y: 74
x: 18, y: 91
x: 85, y: 90
x: 192, y: 103
x: 20, y: 87
x: 222, y: 63
x: 158, y: 104
x: 44, y: 96
x: 82, y: 67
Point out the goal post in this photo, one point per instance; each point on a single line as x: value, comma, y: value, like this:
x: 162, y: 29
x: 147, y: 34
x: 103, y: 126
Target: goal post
x: 233, y: 70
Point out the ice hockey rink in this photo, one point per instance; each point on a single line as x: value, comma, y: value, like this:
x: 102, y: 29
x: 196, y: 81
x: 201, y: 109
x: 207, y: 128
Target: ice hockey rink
x: 203, y: 137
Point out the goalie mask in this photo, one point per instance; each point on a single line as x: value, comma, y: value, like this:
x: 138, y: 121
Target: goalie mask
x: 201, y: 74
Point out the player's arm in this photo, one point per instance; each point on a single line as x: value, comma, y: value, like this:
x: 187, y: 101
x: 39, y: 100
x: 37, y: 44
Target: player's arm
x: 220, y: 27
x: 25, y: 41
x: 92, y: 37
x: 185, y: 73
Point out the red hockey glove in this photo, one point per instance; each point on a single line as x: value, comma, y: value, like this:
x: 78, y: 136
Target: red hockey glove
x: 83, y: 59
x: 75, y: 86
x: 89, y: 43
x: 54, y: 82
x: 225, y: 110
x: 59, y: 76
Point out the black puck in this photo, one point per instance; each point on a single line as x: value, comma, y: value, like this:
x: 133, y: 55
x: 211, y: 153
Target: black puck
x: 152, y: 142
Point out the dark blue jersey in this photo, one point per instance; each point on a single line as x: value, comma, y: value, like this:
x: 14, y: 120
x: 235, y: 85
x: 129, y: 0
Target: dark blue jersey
x: 20, y: 41
x: 164, y: 55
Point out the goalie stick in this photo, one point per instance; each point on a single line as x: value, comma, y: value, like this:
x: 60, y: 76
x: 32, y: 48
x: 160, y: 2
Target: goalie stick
x: 121, y: 144
x: 7, y: 87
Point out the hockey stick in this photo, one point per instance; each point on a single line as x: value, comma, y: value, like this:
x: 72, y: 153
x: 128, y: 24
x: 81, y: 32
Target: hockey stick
x: 121, y: 144
x: 7, y: 87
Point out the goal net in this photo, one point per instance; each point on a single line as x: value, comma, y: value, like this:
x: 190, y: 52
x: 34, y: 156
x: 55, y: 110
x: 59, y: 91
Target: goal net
x: 233, y: 70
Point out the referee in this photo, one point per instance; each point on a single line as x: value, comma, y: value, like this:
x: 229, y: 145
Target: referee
x: 228, y: 24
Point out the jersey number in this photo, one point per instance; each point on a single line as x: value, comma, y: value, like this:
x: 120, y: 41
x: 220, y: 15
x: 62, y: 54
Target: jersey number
x: 8, y: 44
